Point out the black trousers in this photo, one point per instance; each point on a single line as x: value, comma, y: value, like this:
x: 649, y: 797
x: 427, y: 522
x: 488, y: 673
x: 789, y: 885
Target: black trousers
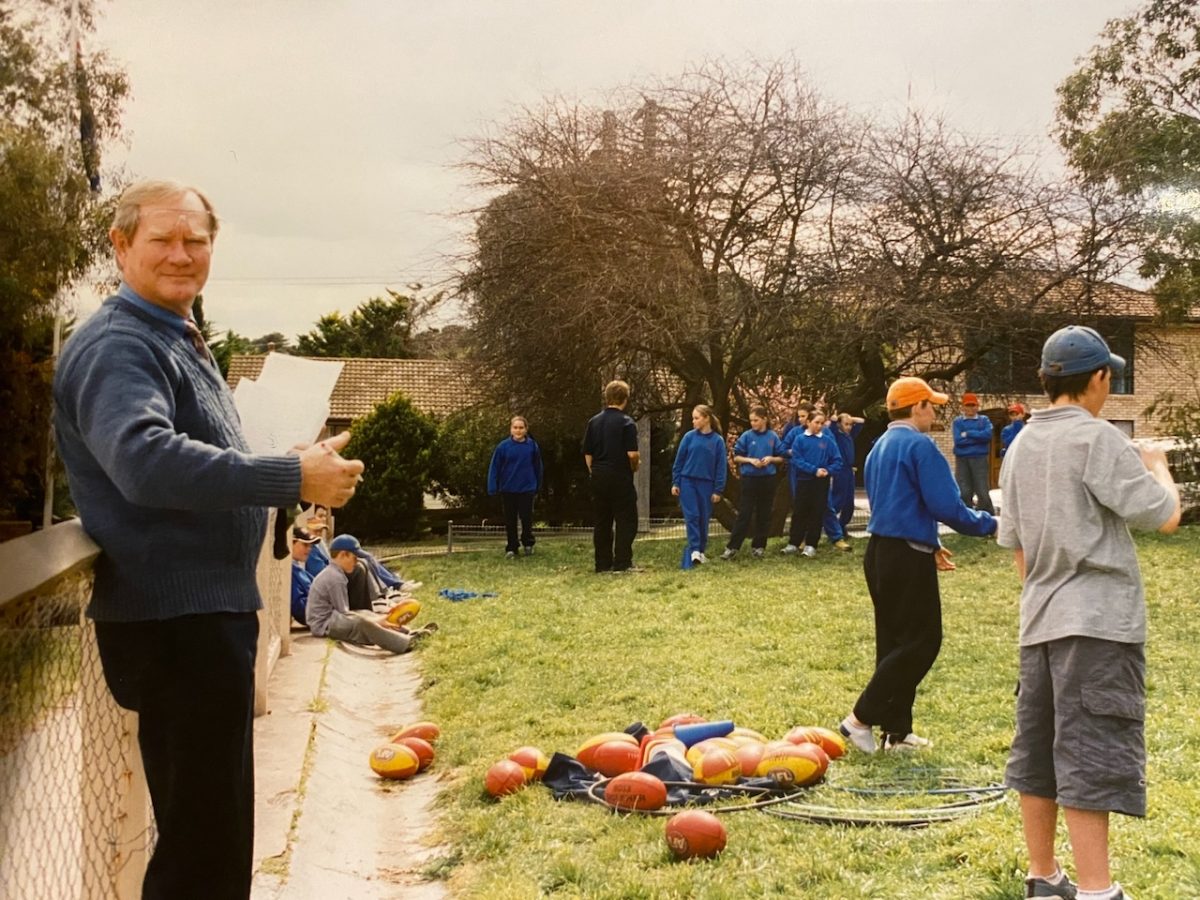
x: 754, y: 509
x: 191, y: 682
x: 517, y: 506
x: 903, y: 583
x: 808, y: 510
x: 361, y: 589
x: 614, y: 503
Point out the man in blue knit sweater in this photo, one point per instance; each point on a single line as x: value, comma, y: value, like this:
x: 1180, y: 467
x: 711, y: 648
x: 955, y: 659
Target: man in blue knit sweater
x: 166, y: 485
x: 910, y: 489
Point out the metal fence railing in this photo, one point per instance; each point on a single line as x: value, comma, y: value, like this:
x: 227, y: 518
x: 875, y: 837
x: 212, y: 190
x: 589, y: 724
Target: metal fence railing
x: 469, y: 537
x: 75, y: 817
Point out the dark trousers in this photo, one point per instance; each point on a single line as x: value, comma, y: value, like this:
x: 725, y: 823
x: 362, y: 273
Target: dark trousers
x: 754, y: 509
x: 808, y: 509
x: 191, y: 682
x: 903, y: 583
x: 361, y: 589
x: 973, y: 474
x: 614, y: 502
x: 517, y: 506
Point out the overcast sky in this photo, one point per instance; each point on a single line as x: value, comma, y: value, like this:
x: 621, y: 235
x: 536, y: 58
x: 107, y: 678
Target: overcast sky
x: 326, y: 132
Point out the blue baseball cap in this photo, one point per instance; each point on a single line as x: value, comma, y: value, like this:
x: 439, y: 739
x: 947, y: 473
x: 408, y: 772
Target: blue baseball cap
x: 1076, y: 349
x: 347, y: 542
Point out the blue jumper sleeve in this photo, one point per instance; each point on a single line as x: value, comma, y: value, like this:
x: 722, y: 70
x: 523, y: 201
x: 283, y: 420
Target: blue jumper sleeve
x: 681, y: 456
x: 493, y: 486
x: 940, y: 492
x: 722, y: 466
x: 123, y: 401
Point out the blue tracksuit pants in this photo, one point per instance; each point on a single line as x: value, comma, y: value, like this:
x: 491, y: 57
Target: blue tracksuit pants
x: 695, y: 499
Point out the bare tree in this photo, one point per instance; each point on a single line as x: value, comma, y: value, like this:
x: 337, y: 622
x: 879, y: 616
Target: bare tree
x: 673, y: 237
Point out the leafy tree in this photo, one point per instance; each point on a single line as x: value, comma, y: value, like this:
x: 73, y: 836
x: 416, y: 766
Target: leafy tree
x: 54, y: 220
x: 399, y: 446
x: 1129, y: 117
x: 379, y: 328
x: 466, y: 440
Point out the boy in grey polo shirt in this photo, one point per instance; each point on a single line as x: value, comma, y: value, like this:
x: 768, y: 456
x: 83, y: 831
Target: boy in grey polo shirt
x: 1072, y: 486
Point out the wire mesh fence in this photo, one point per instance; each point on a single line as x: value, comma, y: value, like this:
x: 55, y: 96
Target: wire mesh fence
x: 75, y: 816
x: 71, y: 823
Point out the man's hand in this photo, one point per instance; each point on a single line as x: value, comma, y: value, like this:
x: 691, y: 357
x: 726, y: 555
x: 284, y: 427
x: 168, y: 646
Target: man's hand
x: 822, y: 473
x: 325, y: 477
x: 716, y: 498
x: 941, y: 559
x: 674, y: 490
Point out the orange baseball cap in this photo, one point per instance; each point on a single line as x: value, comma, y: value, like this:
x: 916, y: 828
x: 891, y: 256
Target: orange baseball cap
x: 910, y: 391
x: 970, y: 399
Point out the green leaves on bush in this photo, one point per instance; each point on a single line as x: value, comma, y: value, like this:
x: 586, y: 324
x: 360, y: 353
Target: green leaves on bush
x: 399, y: 446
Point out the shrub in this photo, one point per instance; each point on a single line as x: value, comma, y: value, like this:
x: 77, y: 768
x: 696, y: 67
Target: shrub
x: 399, y: 446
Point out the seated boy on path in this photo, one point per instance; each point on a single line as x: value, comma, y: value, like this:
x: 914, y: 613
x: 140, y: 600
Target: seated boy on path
x: 329, y: 612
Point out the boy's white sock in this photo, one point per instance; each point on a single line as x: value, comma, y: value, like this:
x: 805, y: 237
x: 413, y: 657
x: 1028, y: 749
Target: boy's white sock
x: 1111, y: 892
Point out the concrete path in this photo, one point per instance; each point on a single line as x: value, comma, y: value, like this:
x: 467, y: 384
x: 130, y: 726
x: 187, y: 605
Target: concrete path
x: 325, y: 826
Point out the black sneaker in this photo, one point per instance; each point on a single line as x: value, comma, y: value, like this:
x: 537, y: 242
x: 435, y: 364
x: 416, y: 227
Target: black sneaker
x: 1040, y: 887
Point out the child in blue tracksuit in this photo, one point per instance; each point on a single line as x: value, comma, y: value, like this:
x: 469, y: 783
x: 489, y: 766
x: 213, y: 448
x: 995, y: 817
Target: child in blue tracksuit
x: 972, y: 452
x: 814, y: 457
x: 516, y: 475
x: 698, y: 480
x: 757, y: 451
x: 843, y: 428
x: 1008, y: 434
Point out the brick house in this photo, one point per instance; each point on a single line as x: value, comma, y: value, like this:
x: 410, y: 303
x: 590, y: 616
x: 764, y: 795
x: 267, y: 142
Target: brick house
x: 1160, y: 357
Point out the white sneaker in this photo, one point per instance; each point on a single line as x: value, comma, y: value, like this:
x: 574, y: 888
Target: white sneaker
x: 810, y: 551
x: 757, y: 552
x: 861, y: 736
x: 728, y: 554
x: 909, y: 742
x: 697, y: 557
x: 790, y: 548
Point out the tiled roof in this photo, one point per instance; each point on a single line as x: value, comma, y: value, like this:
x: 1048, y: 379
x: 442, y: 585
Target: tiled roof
x: 1109, y: 299
x: 436, y: 386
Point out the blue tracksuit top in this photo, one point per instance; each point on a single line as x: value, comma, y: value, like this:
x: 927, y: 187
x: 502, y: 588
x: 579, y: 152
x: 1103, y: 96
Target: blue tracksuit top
x: 516, y: 467
x: 1009, y: 433
x: 972, y: 437
x: 810, y: 452
x: 910, y: 489
x: 756, y: 445
x: 701, y: 456
x: 845, y: 444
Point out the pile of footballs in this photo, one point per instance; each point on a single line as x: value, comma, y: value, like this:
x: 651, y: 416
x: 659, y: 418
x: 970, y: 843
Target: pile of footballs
x: 407, y: 752
x: 716, y: 752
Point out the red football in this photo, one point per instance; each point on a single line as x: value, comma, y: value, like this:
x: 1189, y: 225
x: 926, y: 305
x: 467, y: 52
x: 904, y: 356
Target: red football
x: 532, y: 760
x: 422, y: 748
x: 831, y: 742
x: 587, y: 751
x: 695, y: 833
x: 504, y: 777
x: 615, y: 757
x: 636, y: 790
x: 750, y: 755
x: 681, y: 719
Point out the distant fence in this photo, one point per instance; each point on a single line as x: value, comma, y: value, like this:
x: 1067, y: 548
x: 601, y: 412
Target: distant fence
x: 75, y: 817
x: 471, y: 537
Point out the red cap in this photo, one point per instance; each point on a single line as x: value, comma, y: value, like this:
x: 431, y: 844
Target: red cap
x: 969, y: 399
x: 1017, y: 408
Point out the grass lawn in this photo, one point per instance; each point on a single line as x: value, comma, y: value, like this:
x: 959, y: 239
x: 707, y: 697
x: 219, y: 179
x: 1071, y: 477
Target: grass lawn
x: 562, y: 654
